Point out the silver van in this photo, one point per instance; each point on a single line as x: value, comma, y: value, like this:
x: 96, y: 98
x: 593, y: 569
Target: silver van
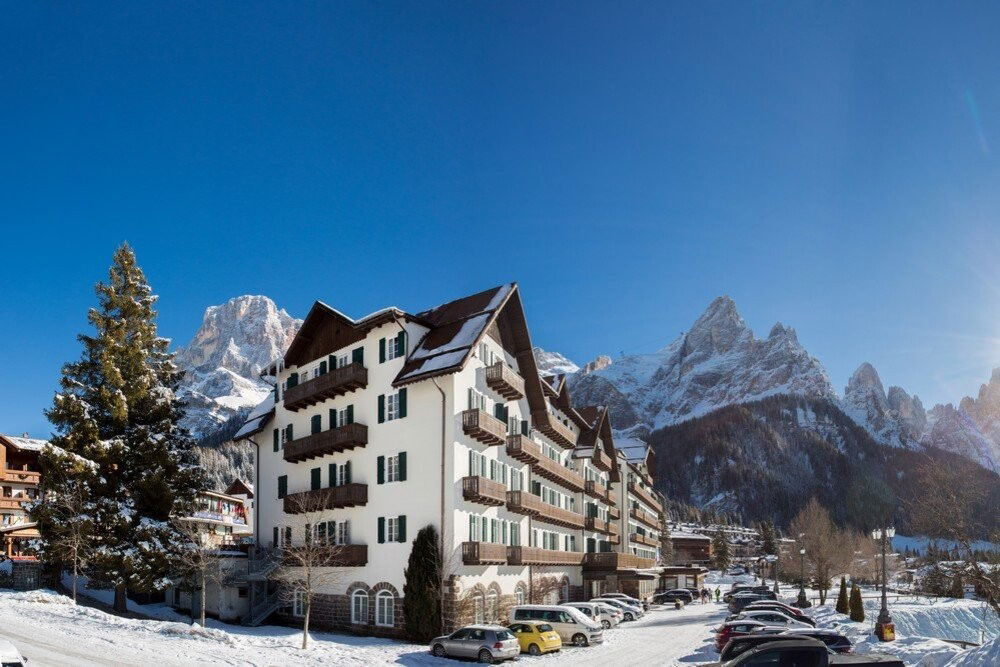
x: 572, y: 625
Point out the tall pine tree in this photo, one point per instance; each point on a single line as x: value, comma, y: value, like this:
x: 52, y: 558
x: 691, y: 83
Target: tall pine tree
x: 422, y: 587
x: 721, y: 555
x: 857, y: 605
x: 118, y: 410
x: 843, y: 605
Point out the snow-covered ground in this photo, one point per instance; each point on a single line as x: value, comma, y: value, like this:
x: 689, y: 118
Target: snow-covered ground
x: 50, y: 630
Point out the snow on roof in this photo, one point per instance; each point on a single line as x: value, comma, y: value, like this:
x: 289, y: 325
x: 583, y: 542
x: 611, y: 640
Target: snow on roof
x: 25, y: 443
x: 360, y: 320
x: 257, y: 418
x: 633, y: 449
x: 436, y: 363
x: 689, y: 536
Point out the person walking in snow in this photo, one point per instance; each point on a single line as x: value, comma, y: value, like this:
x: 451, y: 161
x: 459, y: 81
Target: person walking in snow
x: 718, y: 592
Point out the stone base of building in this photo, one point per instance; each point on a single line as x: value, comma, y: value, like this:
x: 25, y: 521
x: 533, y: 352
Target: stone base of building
x: 26, y: 575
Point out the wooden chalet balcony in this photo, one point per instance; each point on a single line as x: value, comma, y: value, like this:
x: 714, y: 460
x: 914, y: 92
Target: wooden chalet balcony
x: 334, y: 497
x: 484, y: 491
x: 601, y: 459
x: 599, y: 525
x: 613, y: 560
x: 331, y: 441
x: 333, y: 555
x: 645, y: 496
x: 484, y: 427
x: 614, y: 513
x: 643, y: 539
x: 558, y: 473
x: 595, y: 489
x: 537, y: 556
x: 336, y: 382
x: 502, y: 379
x: 14, y: 503
x: 526, y: 503
x: 21, y: 476
x: 522, y: 448
x: 484, y: 553
x: 561, y: 517
x: 547, y: 423
x: 644, y: 517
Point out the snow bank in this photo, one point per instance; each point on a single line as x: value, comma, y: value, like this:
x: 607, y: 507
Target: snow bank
x: 41, y: 596
x: 987, y: 655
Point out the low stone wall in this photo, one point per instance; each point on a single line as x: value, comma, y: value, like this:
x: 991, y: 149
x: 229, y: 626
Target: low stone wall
x: 26, y: 575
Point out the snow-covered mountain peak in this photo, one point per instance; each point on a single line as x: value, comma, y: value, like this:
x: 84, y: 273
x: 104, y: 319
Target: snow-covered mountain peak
x: 865, y: 380
x: 553, y: 363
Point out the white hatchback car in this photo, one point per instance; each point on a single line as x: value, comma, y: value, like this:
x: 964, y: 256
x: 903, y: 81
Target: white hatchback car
x: 771, y: 617
x: 630, y: 613
x: 10, y: 656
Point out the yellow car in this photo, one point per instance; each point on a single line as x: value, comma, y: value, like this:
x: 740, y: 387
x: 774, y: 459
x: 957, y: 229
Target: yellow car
x: 536, y: 638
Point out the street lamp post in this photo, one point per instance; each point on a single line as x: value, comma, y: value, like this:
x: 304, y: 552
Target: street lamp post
x: 802, y: 601
x: 884, y: 627
x: 777, y: 569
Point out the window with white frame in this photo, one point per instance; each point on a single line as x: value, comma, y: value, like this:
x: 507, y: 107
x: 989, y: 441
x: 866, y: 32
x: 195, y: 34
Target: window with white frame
x: 493, y: 605
x: 392, y: 529
x: 385, y: 613
x: 344, y: 532
x: 343, y: 360
x: 480, y: 608
x: 316, y: 372
x: 359, y: 607
x: 392, y: 349
x: 392, y: 468
x: 392, y: 407
x: 519, y: 595
x: 299, y: 603
x: 342, y: 417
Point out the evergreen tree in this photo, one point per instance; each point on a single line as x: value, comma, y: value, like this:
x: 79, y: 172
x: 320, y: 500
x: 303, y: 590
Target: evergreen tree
x: 935, y: 581
x: 720, y: 551
x: 117, y: 410
x: 957, y: 589
x: 843, y: 606
x: 422, y: 588
x: 768, y: 542
x: 857, y: 606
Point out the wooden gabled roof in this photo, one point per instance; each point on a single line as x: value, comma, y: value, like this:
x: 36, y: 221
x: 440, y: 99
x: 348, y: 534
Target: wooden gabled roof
x: 599, y: 434
x: 326, y: 329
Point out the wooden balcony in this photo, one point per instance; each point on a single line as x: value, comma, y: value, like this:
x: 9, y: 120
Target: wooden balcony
x: 526, y: 503
x: 612, y: 560
x: 522, y: 448
x: 558, y: 473
x: 31, y: 477
x: 561, y: 517
x: 484, y: 553
x: 643, y: 539
x: 595, y: 489
x: 645, y: 496
x: 601, y: 526
x: 334, y: 497
x: 331, y: 441
x: 644, y: 517
x: 558, y: 432
x: 333, y: 555
x: 336, y: 382
x: 14, y: 503
x: 484, y: 427
x: 484, y: 491
x: 614, y: 513
x: 502, y: 379
x: 601, y: 460
x: 537, y: 556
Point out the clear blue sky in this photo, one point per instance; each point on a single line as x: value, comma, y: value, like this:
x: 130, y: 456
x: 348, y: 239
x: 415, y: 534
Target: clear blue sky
x: 831, y: 165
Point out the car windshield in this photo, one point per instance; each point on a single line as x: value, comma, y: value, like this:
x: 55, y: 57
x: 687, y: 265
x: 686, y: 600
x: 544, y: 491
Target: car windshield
x: 544, y: 627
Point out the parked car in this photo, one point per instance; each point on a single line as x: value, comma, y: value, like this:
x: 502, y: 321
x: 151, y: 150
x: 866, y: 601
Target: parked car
x: 628, y: 599
x: 629, y: 612
x: 769, y: 605
x: 571, y: 624
x: 682, y: 594
x: 763, y: 591
x: 770, y: 617
x: 835, y: 641
x: 485, y: 643
x: 10, y: 656
x: 737, y: 646
x: 804, y: 652
x: 736, y: 571
x: 741, y: 600
x: 741, y: 628
x: 536, y: 638
x: 615, y: 612
x: 592, y: 610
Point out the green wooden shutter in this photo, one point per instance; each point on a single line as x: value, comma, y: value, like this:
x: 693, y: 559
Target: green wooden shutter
x: 282, y: 486
x: 288, y: 433
x: 381, y: 530
x: 333, y: 474
x: 322, y: 368
x: 498, y: 410
x: 332, y: 359
x: 274, y: 542
x: 524, y: 427
x: 275, y: 393
x: 347, y: 473
x: 402, y: 466
x: 402, y: 402
x: 380, y: 468
x: 350, y: 414
x: 402, y: 528
x: 277, y: 440
x: 316, y: 478
x: 381, y: 350
x: 401, y: 344
x: 358, y: 355
x: 381, y: 408
x: 316, y: 422
x: 333, y: 418
x: 293, y: 380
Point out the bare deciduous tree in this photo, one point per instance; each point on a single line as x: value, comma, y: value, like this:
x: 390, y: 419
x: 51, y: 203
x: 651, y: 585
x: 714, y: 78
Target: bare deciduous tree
x: 198, y: 560
x: 829, y: 550
x: 68, y: 538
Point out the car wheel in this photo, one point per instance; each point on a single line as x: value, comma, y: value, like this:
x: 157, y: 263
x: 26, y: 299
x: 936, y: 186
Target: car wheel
x: 438, y: 650
x: 534, y: 650
x: 579, y: 639
x: 485, y: 657
x: 607, y: 624
x: 629, y: 616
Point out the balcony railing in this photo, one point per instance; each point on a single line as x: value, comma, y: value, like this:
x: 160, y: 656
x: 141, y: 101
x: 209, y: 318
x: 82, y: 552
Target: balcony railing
x: 601, y: 459
x: 334, y: 497
x: 613, y: 560
x: 484, y: 553
x: 643, y: 539
x: 644, y: 517
x: 21, y: 476
x: 484, y: 427
x: 595, y: 489
x: 526, y: 503
x: 502, y: 379
x: 558, y: 473
x: 336, y: 382
x: 14, y: 503
x: 334, y: 440
x: 561, y: 517
x: 557, y: 431
x: 522, y: 448
x: 484, y: 491
x: 537, y: 556
x: 645, y: 496
x: 614, y: 513
x: 333, y: 555
x: 599, y: 525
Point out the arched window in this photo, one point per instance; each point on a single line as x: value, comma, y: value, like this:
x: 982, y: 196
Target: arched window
x: 480, y: 607
x: 519, y: 596
x: 385, y: 610
x: 359, y: 607
x: 565, y: 591
x: 493, y: 606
